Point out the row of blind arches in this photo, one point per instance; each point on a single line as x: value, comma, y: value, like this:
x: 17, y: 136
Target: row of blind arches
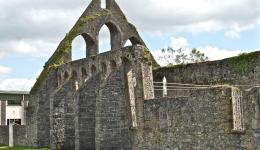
x: 84, y: 74
x: 79, y: 44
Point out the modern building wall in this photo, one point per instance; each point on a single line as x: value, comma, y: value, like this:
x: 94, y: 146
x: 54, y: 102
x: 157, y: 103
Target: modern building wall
x: 15, y: 112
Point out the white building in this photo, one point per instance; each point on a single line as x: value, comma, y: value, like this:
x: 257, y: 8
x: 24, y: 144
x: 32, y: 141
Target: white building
x: 13, y: 107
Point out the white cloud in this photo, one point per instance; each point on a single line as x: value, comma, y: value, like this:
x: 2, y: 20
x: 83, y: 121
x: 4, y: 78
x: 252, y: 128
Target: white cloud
x: 215, y: 53
x: 236, y: 30
x: 177, y: 43
x: 5, y: 70
x: 16, y: 84
x: 35, y: 48
x: 232, y: 34
x: 170, y: 16
x: 48, y: 20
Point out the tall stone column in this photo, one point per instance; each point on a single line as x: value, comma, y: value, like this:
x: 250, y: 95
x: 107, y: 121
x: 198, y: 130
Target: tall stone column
x: 3, y: 112
x: 144, y: 90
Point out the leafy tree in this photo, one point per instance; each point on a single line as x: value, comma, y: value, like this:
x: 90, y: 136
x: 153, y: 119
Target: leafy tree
x: 197, y: 56
x: 174, y: 57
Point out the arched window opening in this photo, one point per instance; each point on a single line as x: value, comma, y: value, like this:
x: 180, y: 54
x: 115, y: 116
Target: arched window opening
x: 84, y: 72
x: 66, y: 75
x: 104, y: 39
x: 104, y: 68
x: 112, y: 42
x: 103, y: 4
x: 74, y: 75
x: 128, y: 43
x: 113, y: 65
x: 93, y: 69
x: 78, y: 48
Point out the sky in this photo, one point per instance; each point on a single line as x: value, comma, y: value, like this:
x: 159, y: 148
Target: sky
x: 31, y: 30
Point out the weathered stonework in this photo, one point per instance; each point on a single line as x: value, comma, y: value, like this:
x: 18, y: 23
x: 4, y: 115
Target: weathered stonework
x: 4, y: 135
x: 20, y: 135
x: 3, y: 112
x: 107, y: 100
x: 201, y: 121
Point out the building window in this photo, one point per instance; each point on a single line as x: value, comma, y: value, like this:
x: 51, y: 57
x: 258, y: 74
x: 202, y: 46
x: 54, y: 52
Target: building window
x: 14, y: 102
x: 15, y: 121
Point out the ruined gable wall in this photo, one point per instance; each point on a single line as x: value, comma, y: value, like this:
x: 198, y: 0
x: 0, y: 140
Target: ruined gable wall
x: 84, y: 104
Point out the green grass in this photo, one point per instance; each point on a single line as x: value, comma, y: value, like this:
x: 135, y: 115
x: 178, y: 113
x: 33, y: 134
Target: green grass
x: 21, y: 148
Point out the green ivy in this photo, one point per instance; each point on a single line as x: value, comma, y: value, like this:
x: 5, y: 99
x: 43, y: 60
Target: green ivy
x: 64, y: 48
x: 243, y: 64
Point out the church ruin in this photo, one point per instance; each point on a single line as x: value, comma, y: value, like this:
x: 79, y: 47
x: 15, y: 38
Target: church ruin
x: 118, y: 100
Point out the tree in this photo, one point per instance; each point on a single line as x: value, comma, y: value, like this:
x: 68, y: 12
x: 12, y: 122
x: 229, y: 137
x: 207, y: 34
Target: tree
x: 175, y: 57
x: 197, y: 56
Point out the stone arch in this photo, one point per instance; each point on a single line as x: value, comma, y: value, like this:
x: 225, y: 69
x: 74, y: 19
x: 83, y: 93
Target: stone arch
x: 93, y: 69
x: 133, y: 40
x: 66, y: 75
x: 83, y: 72
x: 74, y: 74
x: 115, y: 35
x: 91, y: 45
x: 87, y: 45
x: 113, y: 65
x: 78, y: 47
x: 104, y: 68
x: 104, y: 39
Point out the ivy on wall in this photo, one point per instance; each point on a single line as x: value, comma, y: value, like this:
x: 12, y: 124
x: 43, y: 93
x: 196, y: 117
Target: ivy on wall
x: 64, y: 48
x: 243, y: 64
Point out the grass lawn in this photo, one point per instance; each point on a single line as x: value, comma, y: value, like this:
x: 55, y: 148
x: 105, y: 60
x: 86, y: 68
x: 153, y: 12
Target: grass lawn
x: 21, y: 148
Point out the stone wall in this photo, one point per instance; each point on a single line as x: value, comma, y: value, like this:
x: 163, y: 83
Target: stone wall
x: 201, y: 121
x: 19, y: 132
x: 86, y: 121
x: 84, y: 104
x: 244, y: 69
x: 112, y: 122
x: 20, y: 135
x: 31, y: 121
x: 4, y: 135
x: 100, y: 103
x: 3, y: 112
x: 38, y: 113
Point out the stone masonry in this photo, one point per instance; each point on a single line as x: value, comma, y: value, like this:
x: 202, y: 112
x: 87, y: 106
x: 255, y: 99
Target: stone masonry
x: 108, y: 100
